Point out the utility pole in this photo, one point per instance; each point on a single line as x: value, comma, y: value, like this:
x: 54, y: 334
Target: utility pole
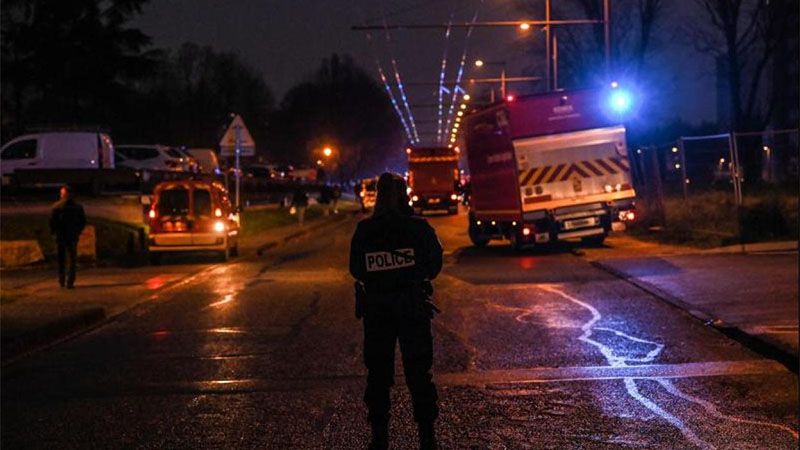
x: 555, y: 61
x: 238, y: 153
x: 607, y: 33
x: 547, y: 41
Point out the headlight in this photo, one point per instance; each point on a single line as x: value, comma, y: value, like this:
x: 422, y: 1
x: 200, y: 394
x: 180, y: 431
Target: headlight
x: 218, y: 212
x: 414, y: 198
x: 453, y: 197
x: 219, y: 226
x: 609, y: 188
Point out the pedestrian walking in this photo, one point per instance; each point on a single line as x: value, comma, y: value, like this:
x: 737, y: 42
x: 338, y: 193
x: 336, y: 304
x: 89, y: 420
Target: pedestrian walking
x: 394, y: 257
x: 67, y: 222
x: 336, y: 194
x: 325, y: 198
x: 300, y: 203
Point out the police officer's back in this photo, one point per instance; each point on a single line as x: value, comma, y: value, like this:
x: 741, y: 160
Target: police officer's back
x: 395, y: 256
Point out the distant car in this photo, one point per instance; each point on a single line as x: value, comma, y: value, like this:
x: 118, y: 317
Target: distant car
x: 153, y: 157
x: 189, y: 216
x: 189, y: 160
x: 57, y: 150
x: 207, y: 160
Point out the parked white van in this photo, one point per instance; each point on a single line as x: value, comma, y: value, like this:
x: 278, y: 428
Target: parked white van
x: 59, y: 150
x: 78, y: 158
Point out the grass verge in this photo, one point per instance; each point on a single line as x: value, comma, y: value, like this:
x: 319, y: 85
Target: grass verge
x: 114, y: 240
x: 712, y: 219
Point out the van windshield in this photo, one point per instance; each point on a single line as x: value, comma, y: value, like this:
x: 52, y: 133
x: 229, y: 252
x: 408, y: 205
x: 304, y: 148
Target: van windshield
x: 202, y: 202
x: 173, y: 202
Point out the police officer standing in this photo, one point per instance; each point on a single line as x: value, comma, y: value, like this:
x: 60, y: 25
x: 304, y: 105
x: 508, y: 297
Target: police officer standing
x: 394, y: 256
x: 67, y: 221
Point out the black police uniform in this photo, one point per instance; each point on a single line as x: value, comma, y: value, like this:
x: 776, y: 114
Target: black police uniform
x: 394, y: 255
x: 67, y: 221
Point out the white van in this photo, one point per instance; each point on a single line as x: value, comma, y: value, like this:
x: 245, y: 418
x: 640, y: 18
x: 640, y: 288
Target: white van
x: 58, y: 150
x: 207, y: 158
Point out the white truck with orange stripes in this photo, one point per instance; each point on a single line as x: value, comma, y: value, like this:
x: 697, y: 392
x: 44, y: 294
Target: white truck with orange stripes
x: 548, y: 167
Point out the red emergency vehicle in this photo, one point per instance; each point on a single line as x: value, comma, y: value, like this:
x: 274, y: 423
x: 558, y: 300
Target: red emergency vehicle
x: 549, y: 167
x: 433, y: 179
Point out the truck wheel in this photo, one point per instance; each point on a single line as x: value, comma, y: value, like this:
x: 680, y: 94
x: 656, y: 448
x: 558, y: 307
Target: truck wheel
x: 478, y: 239
x: 594, y: 241
x: 514, y: 240
x: 97, y: 186
x: 155, y: 258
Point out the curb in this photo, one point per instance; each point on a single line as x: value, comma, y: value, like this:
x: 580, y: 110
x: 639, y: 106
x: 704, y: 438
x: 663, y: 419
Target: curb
x: 760, y: 346
x: 51, y: 333
x: 759, y: 247
x: 299, y: 233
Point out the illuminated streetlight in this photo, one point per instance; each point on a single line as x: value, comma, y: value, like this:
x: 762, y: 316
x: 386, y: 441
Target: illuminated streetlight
x: 327, y: 151
x: 319, y: 162
x: 460, y: 113
x: 524, y: 26
x: 463, y: 106
x: 674, y: 149
x: 478, y: 63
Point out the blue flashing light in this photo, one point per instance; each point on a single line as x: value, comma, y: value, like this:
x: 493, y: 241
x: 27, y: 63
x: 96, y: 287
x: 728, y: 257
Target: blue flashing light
x: 620, y: 101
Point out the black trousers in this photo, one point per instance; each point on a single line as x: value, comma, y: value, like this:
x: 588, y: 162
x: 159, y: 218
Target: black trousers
x: 390, y: 319
x: 67, y: 260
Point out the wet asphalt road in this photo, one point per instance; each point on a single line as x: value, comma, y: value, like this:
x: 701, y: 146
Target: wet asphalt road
x: 534, y: 350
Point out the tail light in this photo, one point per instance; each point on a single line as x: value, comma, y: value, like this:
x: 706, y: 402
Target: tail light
x: 627, y: 215
x: 152, y: 214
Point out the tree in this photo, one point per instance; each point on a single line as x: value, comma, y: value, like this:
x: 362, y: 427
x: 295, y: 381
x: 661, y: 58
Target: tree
x: 69, y: 62
x: 190, y: 95
x: 582, y: 47
x: 342, y: 106
x: 742, y: 36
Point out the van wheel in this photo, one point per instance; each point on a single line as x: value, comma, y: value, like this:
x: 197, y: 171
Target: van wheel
x: 224, y: 255
x: 155, y: 258
x: 594, y: 241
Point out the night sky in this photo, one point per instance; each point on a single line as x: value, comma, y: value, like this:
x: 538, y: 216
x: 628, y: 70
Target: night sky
x: 286, y: 40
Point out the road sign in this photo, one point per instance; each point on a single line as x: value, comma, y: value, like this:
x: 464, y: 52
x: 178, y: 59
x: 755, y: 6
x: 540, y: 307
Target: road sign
x: 227, y: 145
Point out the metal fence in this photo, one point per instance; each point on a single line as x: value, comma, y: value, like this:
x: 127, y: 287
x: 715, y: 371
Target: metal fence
x: 723, y: 189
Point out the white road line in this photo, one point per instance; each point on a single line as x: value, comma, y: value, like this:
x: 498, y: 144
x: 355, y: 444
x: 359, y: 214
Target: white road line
x: 630, y: 383
x: 712, y: 409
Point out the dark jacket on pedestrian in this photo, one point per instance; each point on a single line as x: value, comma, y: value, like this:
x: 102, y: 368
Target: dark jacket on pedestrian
x: 325, y: 195
x: 67, y: 220
x: 300, y: 199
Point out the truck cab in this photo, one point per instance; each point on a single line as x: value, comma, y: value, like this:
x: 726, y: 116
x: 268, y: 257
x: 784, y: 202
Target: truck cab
x: 433, y: 179
x: 548, y: 167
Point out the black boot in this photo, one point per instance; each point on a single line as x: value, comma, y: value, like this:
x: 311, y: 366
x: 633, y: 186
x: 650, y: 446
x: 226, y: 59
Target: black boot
x: 380, y: 435
x: 427, y: 437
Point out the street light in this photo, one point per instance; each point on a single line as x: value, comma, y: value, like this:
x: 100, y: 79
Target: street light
x: 480, y: 63
x: 327, y: 151
x: 525, y: 26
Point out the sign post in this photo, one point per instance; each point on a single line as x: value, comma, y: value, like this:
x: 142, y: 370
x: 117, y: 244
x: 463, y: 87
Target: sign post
x: 237, y: 142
